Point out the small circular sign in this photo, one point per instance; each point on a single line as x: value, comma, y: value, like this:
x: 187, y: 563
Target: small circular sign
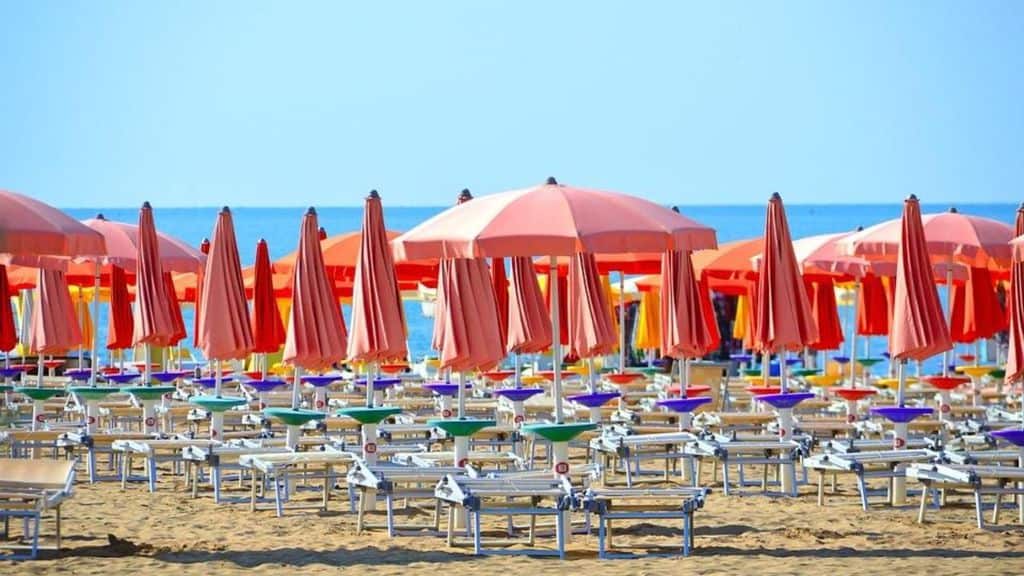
x: 851, y: 418
x: 92, y: 419
x: 899, y: 443
x: 945, y: 408
x: 40, y: 418
x: 519, y: 419
x: 446, y: 413
x: 213, y: 433
x: 150, y: 421
x: 782, y: 432
x: 319, y: 403
x: 562, y: 468
x: 370, y: 448
x: 463, y: 463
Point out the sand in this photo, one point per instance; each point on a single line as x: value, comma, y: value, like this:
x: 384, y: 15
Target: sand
x: 110, y: 531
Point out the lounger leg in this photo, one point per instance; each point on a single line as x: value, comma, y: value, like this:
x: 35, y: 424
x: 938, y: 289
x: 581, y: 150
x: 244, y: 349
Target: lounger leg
x: 764, y: 478
x: 35, y: 536
x: 600, y: 537
x: 125, y: 468
x: 278, y: 503
x: 560, y: 529
x: 56, y: 512
x: 328, y: 481
x: 360, y: 515
x: 863, y: 492
x: 151, y: 473
x: 924, y: 504
x: 821, y: 488
x: 791, y: 468
x: 451, y: 526
x: 215, y: 479
x: 92, y: 466
x: 389, y: 504
x: 476, y: 532
x: 686, y: 535
x: 977, y: 509
x: 995, y: 511
x: 252, y: 493
x: 725, y: 477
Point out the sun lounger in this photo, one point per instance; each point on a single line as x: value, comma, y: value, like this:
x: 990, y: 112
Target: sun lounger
x: 222, y: 457
x: 644, y: 505
x: 478, y: 459
x: 279, y: 468
x: 397, y: 482
x: 96, y: 443
x: 501, y: 496
x: 889, y: 464
x: 155, y: 451
x: 630, y: 450
x: 784, y: 454
x: 982, y: 480
x: 29, y: 489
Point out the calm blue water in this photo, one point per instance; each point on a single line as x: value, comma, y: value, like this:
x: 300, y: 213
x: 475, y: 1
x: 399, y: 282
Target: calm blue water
x: 280, y: 228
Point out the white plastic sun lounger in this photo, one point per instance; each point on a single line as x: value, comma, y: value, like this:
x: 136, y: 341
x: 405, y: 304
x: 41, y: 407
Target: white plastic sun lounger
x: 30, y: 488
x: 394, y: 482
x: 982, y: 480
x: 887, y: 464
x: 279, y: 467
x: 743, y: 452
x: 154, y: 451
x: 642, y: 504
x: 631, y: 449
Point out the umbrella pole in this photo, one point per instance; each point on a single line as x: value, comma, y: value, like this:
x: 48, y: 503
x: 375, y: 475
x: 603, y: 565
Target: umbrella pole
x: 95, y: 324
x: 622, y: 322
x: 462, y: 395
x: 81, y: 324
x: 556, y: 343
x: 782, y: 371
x: 146, y: 358
x: 518, y: 381
x: 853, y: 334
x: 296, y: 382
x: 946, y: 357
x: 216, y: 416
x: 263, y: 365
x: 369, y: 385
x: 592, y: 374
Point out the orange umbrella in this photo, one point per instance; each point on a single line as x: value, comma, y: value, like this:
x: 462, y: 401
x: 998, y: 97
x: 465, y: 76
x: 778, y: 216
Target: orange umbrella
x: 316, y: 336
x: 31, y: 228
x: 918, y: 329
x: 154, y: 321
x: 977, y: 313
x: 731, y: 267
x: 225, y: 332
x: 1015, y: 305
x: 591, y: 328
x: 822, y: 293
x: 8, y: 336
x: 529, y: 330
x: 119, y: 324
x: 784, y: 320
x: 499, y: 281
x: 341, y: 253
x: 54, y: 328
x: 378, y: 321
x: 267, y: 328
x: 196, y: 295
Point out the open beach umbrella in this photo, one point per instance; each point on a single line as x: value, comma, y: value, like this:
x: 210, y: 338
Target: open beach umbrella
x: 119, y: 315
x: 783, y: 313
x: 822, y: 294
x: 918, y: 329
x: 378, y: 321
x: 225, y: 332
x: 529, y: 330
x: 29, y: 227
x: 155, y: 324
x: 8, y: 335
x: 316, y: 336
x: 267, y: 327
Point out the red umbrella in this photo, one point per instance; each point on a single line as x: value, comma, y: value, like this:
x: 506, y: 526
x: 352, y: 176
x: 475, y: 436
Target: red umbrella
x: 224, y: 329
x: 822, y: 293
x: 174, y: 309
x: 687, y: 330
x: 119, y: 325
x: 918, y: 330
x: 529, y: 329
x: 54, y: 328
x: 976, y: 312
x: 783, y: 314
x: 267, y: 328
x: 154, y: 322
x: 8, y: 337
x: 874, y: 307
x: 316, y: 336
x: 591, y: 328
x: 1015, y: 305
x: 499, y: 280
x: 464, y: 298
x: 29, y: 227
x: 378, y: 321
x: 563, y: 302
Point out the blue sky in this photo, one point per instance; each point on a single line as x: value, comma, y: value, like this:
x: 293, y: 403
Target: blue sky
x: 293, y: 103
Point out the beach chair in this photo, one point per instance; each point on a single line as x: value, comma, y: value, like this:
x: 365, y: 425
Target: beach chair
x: 647, y: 504
x: 888, y: 464
x: 281, y: 468
x: 397, y: 482
x: 982, y: 480
x: 771, y: 453
x: 627, y: 451
x: 29, y: 489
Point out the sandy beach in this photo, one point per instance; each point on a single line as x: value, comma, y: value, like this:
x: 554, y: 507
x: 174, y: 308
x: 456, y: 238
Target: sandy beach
x: 108, y: 531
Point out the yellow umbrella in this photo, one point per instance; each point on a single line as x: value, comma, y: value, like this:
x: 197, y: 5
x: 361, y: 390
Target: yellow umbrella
x: 739, y: 326
x: 648, y: 329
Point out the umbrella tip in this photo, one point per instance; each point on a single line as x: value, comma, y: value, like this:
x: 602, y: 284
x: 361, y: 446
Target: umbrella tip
x: 146, y: 205
x: 100, y: 216
x: 373, y: 195
x: 953, y: 210
x: 465, y: 195
x: 204, y: 246
x: 675, y: 209
x: 311, y: 211
x: 261, y: 241
x: 912, y: 198
x: 551, y: 181
x: 225, y: 210
x: 860, y: 229
x: 1020, y: 207
x: 322, y: 232
x: 776, y: 196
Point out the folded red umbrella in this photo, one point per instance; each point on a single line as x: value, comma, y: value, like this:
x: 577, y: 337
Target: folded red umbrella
x: 826, y: 314
x: 119, y: 322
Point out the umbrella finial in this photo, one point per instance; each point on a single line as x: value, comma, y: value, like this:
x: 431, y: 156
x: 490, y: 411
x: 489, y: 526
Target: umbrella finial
x: 953, y: 210
x: 551, y: 181
x: 225, y: 210
x: 373, y: 195
x: 322, y: 232
x: 912, y: 198
x: 676, y: 209
x: 204, y: 246
x: 860, y: 229
x: 465, y: 195
x: 1020, y: 207
x: 311, y: 211
x: 776, y: 196
x: 261, y: 241
x: 100, y: 215
x: 146, y: 205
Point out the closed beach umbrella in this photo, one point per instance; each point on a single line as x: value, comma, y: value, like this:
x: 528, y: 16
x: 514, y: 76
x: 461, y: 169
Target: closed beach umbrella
x: 1015, y: 306
x: 529, y: 330
x: 822, y: 292
x: 499, y: 280
x: 378, y: 322
x: 874, y: 307
x: 591, y: 328
x: 783, y: 314
x: 174, y: 307
x: 267, y: 327
x: 154, y: 321
x: 316, y: 335
x: 977, y: 313
x: 54, y: 328
x: 8, y: 335
x: 918, y: 329
x: 687, y: 330
x: 119, y: 316
x: 29, y: 227
x: 225, y: 332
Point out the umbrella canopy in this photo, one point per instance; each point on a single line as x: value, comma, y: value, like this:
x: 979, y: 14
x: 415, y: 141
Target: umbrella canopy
x: 591, y: 328
x: 267, y: 328
x: 29, y: 227
x: 154, y: 320
x: 54, y: 328
x: 499, y: 281
x: 783, y: 313
x: 687, y: 331
x: 918, y: 329
x: 822, y: 293
x: 529, y: 329
x: 119, y: 317
x: 122, y: 240
x: 316, y: 336
x: 976, y: 310
x: 378, y: 321
x: 174, y: 309
x: 462, y: 336
x: 627, y: 263
x: 874, y: 307
x: 1015, y: 304
x: 341, y: 254
x: 971, y: 240
x: 554, y: 220
x: 224, y: 329
x: 8, y: 336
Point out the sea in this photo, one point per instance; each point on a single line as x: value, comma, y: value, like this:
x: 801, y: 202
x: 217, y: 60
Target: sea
x: 280, y: 228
